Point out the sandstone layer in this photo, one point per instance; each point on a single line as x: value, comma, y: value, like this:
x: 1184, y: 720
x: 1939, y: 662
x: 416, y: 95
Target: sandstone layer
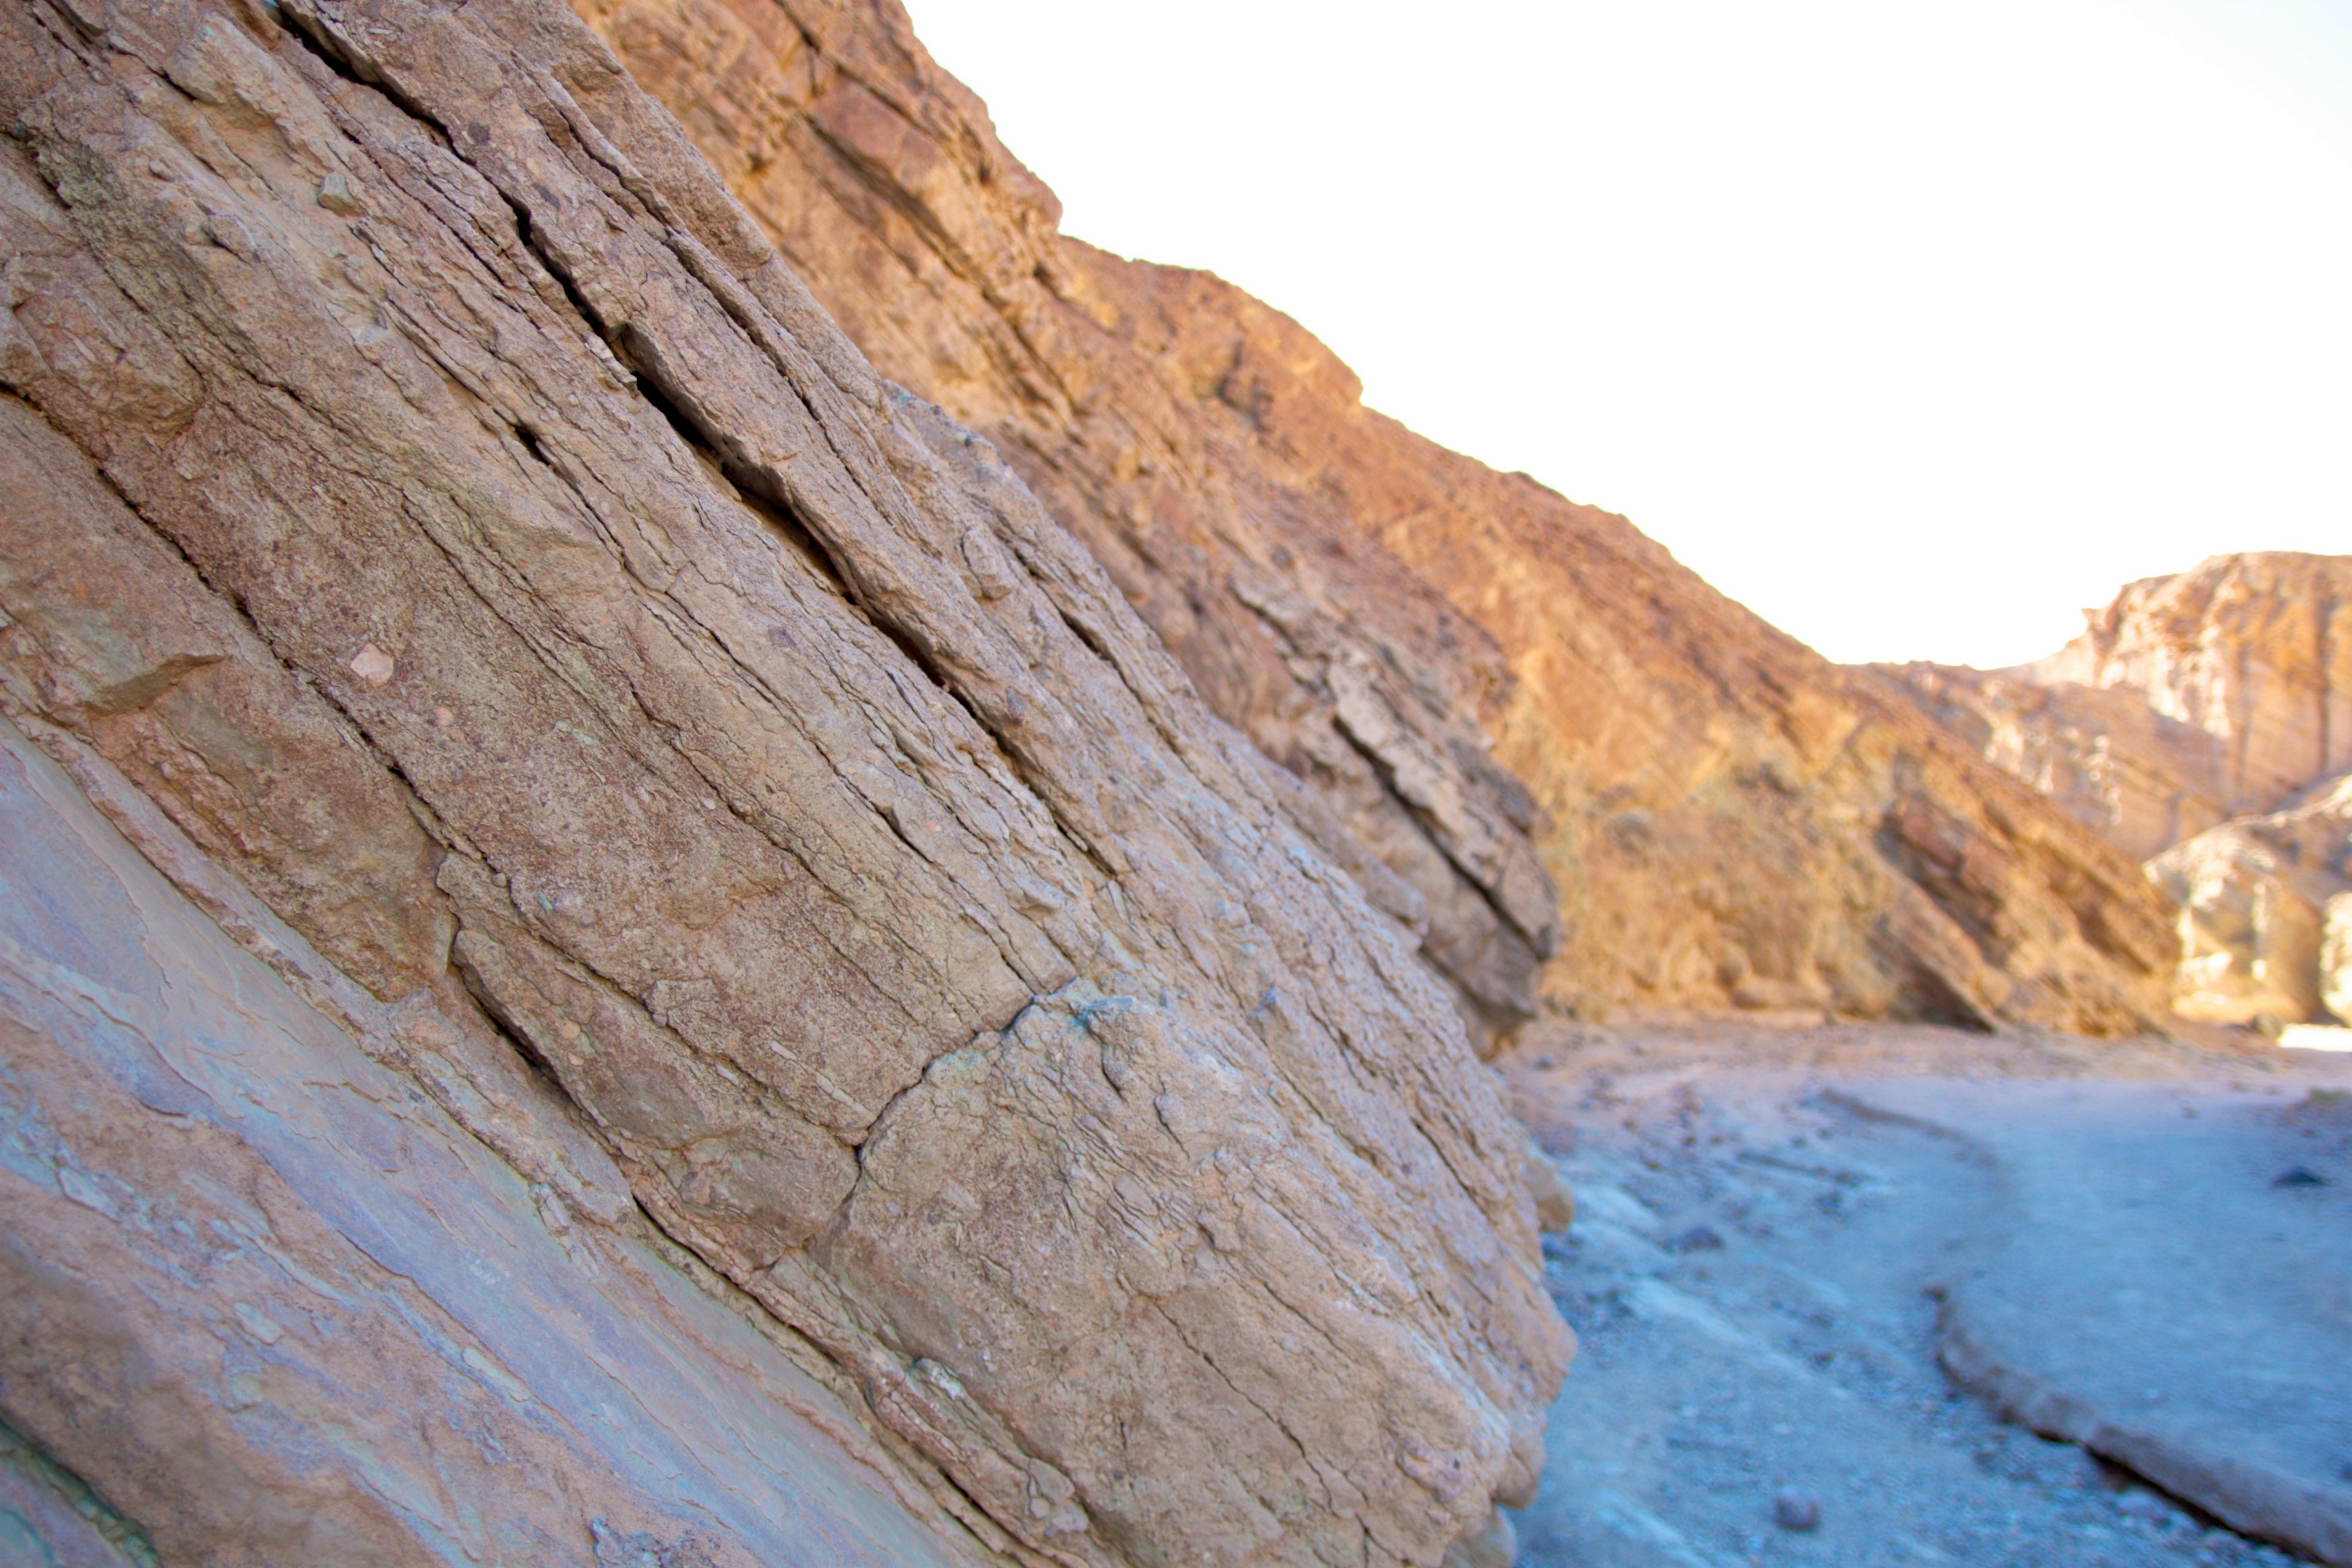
x: 2189, y: 700
x: 1727, y: 818
x: 450, y: 542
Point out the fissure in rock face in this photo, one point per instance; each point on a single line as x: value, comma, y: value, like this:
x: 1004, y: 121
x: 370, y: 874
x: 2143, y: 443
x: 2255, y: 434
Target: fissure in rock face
x: 435, y: 512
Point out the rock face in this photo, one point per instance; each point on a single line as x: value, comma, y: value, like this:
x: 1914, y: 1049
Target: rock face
x: 2195, y: 723
x: 1132, y: 400
x: 2265, y: 910
x: 1727, y: 818
x: 2188, y: 700
x: 686, y: 813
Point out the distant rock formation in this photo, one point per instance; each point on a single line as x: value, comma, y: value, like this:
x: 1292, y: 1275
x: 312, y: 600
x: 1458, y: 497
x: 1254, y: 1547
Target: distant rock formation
x: 2266, y: 911
x: 2188, y: 700
x: 2197, y: 723
x: 702, y: 989
x: 2254, y: 650
x: 1728, y: 819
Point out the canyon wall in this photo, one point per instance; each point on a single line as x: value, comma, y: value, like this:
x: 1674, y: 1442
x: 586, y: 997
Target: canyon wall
x: 1726, y: 817
x: 618, y: 950
x: 2197, y: 722
x: 2187, y: 700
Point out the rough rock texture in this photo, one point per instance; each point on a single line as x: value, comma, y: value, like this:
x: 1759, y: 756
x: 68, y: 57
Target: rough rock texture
x: 2263, y: 903
x: 2143, y: 779
x: 1727, y: 817
x: 436, y: 512
x: 1129, y: 398
x: 2188, y: 700
x: 278, y: 1307
x: 2194, y: 723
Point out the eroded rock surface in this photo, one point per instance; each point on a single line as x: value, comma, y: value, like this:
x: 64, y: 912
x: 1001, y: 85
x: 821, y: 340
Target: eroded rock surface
x: 2197, y: 723
x: 2265, y: 909
x: 1726, y: 816
x: 276, y: 1306
x: 436, y: 508
x: 2189, y: 700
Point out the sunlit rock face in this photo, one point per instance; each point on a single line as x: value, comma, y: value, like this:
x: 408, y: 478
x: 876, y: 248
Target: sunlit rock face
x: 1710, y: 813
x: 2265, y: 917
x: 2197, y: 723
x: 727, y: 1001
x: 2188, y: 700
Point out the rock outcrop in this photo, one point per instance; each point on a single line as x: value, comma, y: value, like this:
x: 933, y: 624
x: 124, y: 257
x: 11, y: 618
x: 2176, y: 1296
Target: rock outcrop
x: 2196, y: 723
x: 1727, y: 817
x: 720, y: 992
x: 2265, y: 909
x: 2188, y: 700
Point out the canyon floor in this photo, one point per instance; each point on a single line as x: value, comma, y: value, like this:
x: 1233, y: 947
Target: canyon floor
x: 1790, y: 1230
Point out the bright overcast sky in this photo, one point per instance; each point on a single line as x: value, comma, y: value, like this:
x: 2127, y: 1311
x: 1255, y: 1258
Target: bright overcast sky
x: 1916, y: 327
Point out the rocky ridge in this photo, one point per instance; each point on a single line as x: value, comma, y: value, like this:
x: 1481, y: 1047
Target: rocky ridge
x: 1727, y: 818
x: 705, y: 794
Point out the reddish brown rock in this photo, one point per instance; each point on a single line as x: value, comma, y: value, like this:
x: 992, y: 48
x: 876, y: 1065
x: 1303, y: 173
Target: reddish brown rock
x: 1727, y: 818
x: 701, y: 791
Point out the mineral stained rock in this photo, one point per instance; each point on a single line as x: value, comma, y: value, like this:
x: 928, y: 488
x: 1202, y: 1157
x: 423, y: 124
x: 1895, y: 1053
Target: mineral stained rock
x: 2189, y: 700
x: 685, y: 815
x: 1726, y: 817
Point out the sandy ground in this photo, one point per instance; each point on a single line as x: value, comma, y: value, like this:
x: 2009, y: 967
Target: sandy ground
x: 1755, y: 1275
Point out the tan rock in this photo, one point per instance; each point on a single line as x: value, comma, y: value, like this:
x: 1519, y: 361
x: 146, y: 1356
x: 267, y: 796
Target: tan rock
x: 2254, y: 650
x: 2265, y: 923
x: 1495, y: 1546
x: 1707, y: 796
x: 879, y: 175
x: 1554, y: 1199
x: 512, y: 577
x: 2335, y: 956
x: 2143, y: 780
x: 2188, y: 700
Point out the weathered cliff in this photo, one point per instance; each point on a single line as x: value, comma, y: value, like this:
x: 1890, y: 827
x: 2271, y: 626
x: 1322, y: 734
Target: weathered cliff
x: 2195, y: 723
x: 1727, y: 817
x: 2187, y: 700
x: 659, y: 821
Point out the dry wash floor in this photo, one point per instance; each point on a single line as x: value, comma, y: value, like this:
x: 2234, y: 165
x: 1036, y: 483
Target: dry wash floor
x: 1756, y: 1273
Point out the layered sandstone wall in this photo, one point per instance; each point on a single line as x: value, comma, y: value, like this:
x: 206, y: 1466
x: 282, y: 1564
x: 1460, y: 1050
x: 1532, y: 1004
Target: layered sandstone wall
x: 751, y: 850
x: 2254, y: 650
x: 2187, y: 700
x: 2196, y: 723
x: 1726, y: 816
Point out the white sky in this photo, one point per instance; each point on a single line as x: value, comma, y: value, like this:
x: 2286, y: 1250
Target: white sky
x: 1915, y: 327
